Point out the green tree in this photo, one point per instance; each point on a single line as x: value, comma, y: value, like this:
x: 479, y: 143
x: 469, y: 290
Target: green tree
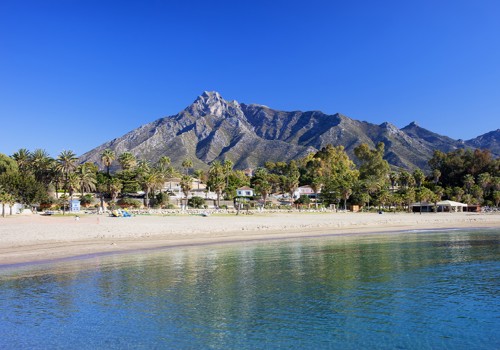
x: 107, y: 158
x: 290, y: 180
x: 419, y: 177
x: 23, y: 159
x: 151, y: 181
x: 260, y: 181
x: 340, y: 175
x: 187, y: 164
x: 127, y: 161
x: 43, y: 167
x: 7, y: 164
x: 217, y: 179
x: 186, y: 185
x: 115, y: 188
x: 66, y: 165
x: 87, y: 178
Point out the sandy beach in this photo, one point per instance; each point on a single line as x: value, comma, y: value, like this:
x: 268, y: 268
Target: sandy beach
x: 36, y: 238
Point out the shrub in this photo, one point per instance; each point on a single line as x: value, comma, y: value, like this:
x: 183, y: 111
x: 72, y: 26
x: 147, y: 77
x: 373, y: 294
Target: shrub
x: 304, y: 199
x: 86, y: 200
x: 162, y: 200
x: 196, y: 202
x: 129, y: 203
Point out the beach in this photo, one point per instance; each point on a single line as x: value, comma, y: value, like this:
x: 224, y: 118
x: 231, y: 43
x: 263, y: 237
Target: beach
x: 37, y: 238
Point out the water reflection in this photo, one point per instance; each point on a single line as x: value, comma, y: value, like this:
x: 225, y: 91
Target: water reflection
x: 399, y: 290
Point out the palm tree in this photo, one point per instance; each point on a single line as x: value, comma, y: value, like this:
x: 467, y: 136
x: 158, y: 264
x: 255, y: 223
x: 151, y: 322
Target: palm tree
x: 216, y: 179
x: 199, y: 175
x: 22, y: 157
x: 393, y: 178
x: 419, y: 177
x: 107, y: 158
x: 485, y: 181
x: 150, y: 180
x: 228, y: 167
x: 164, y: 162
x: 187, y: 164
x: 40, y: 162
x: 87, y: 178
x: 127, y: 161
x: 115, y: 187
x: 469, y: 182
x: 73, y: 184
x: 186, y: 185
x: 436, y: 175
x: 66, y: 165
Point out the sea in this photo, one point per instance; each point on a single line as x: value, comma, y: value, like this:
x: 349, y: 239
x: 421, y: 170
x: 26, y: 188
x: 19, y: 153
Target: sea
x: 403, y: 290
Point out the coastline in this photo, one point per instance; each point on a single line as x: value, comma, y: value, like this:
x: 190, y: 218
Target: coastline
x: 36, y: 238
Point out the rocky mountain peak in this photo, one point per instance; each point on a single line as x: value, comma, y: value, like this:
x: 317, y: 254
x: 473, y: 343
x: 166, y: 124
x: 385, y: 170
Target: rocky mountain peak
x: 212, y: 103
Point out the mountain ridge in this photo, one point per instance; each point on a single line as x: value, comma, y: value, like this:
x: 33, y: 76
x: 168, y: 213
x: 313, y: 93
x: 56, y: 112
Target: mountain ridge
x: 212, y: 128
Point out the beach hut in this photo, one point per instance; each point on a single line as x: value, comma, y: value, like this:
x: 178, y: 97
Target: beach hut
x: 451, y: 206
x: 74, y: 205
x: 442, y: 206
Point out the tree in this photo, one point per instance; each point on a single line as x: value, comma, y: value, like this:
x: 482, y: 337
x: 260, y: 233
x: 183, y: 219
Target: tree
x: 290, y: 180
x: 373, y: 165
x: 199, y: 174
x: 187, y: 164
x: 485, y: 181
x: 43, y: 167
x: 87, y: 177
x: 22, y: 157
x: 115, y: 187
x: 107, y: 158
x: 314, y: 175
x: 216, y: 179
x: 228, y: 168
x: 496, y: 197
x: 127, y: 161
x: 436, y: 175
x: 339, y: 174
x: 419, y: 177
x: 393, y: 178
x: 151, y: 180
x: 260, y: 181
x: 8, y: 164
x: 468, y: 183
x: 73, y: 184
x: 186, y: 185
x: 66, y: 165
x: 24, y: 188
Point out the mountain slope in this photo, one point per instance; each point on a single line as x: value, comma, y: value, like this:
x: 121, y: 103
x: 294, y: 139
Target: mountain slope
x: 212, y: 128
x: 490, y: 140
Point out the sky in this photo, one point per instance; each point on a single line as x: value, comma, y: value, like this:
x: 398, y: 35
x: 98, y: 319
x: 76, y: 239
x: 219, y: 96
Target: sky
x: 77, y: 73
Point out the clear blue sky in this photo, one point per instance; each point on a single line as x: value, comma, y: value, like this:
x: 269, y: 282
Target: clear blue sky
x: 77, y: 73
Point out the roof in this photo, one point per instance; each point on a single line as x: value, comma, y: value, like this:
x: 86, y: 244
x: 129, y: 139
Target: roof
x: 244, y: 188
x: 446, y: 203
x: 451, y: 203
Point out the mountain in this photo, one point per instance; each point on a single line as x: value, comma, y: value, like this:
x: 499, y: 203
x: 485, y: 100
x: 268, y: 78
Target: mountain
x: 490, y: 140
x: 212, y: 128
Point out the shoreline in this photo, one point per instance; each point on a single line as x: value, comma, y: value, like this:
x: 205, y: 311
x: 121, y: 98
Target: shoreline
x: 35, y: 239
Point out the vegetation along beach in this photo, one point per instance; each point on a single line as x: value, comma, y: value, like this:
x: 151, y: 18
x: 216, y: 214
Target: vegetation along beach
x: 249, y: 174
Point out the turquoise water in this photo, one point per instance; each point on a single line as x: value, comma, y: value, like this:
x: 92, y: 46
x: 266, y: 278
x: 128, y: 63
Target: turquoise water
x: 420, y: 290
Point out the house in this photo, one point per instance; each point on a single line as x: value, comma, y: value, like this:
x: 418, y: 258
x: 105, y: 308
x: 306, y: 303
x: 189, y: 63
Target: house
x: 248, y: 172
x: 304, y: 191
x: 245, y: 191
x: 442, y: 206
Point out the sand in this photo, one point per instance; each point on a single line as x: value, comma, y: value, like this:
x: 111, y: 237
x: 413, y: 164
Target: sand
x: 36, y: 238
